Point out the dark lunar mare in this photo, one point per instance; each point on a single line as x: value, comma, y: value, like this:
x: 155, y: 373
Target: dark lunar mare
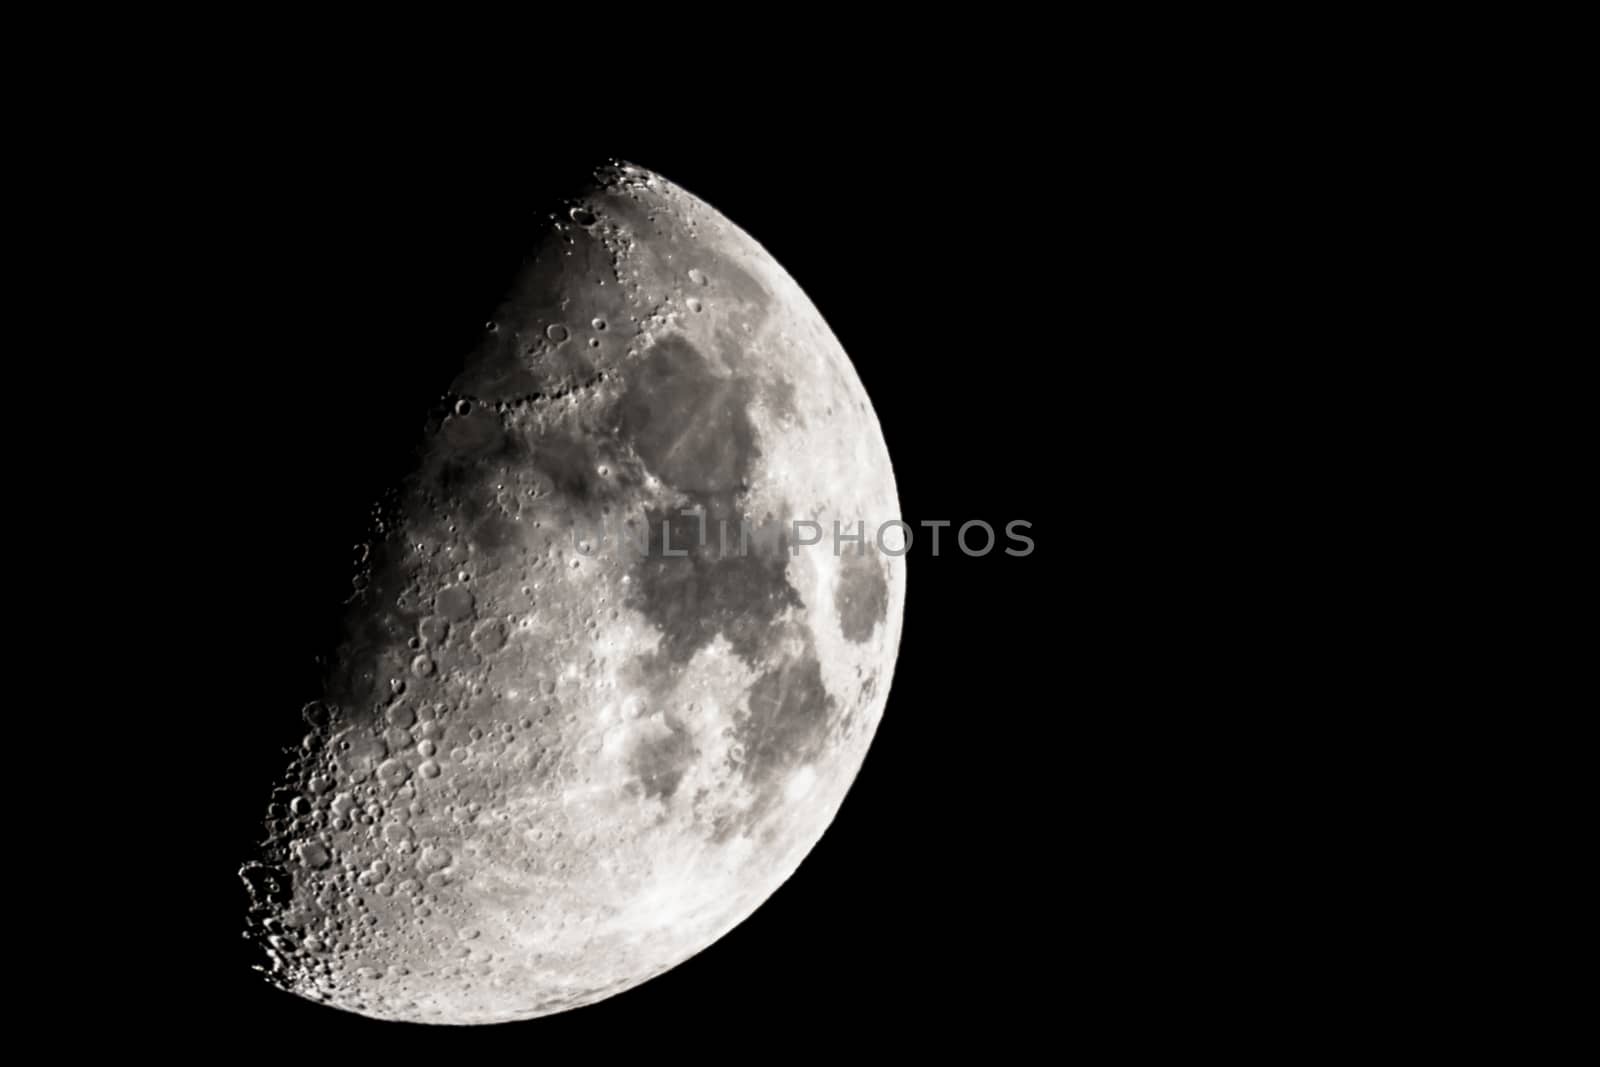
x: 691, y: 427
x: 862, y: 596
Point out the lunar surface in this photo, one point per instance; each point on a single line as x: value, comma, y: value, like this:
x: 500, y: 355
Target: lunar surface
x: 594, y: 701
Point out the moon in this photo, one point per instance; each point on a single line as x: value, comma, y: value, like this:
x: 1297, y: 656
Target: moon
x: 597, y: 692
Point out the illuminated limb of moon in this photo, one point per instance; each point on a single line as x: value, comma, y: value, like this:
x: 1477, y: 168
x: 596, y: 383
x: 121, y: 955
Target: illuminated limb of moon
x: 548, y: 766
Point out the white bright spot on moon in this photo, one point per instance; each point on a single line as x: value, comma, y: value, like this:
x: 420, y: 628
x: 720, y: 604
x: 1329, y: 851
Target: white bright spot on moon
x: 800, y: 783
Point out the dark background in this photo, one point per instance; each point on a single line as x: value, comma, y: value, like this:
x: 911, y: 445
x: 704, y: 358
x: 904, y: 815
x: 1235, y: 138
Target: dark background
x: 993, y: 302
x: 1135, y: 289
